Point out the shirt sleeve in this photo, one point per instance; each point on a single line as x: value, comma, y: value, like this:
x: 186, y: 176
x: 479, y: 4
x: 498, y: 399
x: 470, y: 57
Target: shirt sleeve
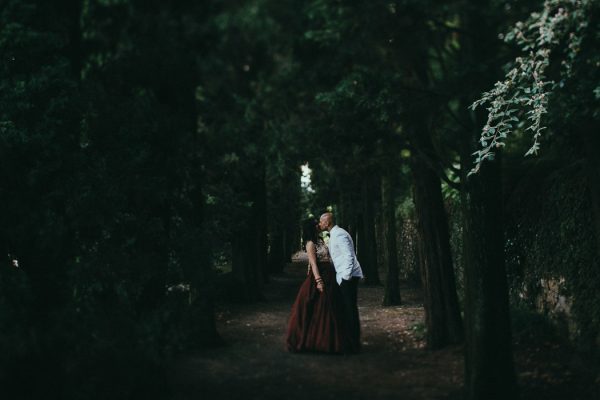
x: 344, y: 244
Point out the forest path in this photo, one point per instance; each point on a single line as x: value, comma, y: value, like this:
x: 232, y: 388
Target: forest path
x: 255, y: 364
x: 392, y: 364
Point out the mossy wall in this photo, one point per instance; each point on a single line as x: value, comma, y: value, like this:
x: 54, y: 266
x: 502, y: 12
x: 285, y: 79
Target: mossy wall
x: 550, y: 248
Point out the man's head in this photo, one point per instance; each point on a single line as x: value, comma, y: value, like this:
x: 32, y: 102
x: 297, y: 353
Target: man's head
x: 326, y: 222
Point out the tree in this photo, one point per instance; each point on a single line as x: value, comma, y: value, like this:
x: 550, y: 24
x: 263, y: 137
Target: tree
x: 360, y: 109
x: 104, y: 167
x: 392, y: 287
x: 556, y: 60
x: 516, y: 104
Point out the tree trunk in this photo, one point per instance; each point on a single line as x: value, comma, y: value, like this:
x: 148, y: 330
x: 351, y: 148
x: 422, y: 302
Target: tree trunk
x: 277, y: 252
x: 292, y: 240
x: 157, y: 248
x: 367, y: 244
x: 249, y: 244
x: 284, y: 217
x: 244, y: 265
x: 442, y: 314
x: 392, y: 286
x: 347, y: 218
x: 489, y: 369
x: 260, y: 216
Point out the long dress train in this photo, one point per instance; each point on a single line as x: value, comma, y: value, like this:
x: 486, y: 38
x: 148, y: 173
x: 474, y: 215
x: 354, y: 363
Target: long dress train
x: 316, y: 321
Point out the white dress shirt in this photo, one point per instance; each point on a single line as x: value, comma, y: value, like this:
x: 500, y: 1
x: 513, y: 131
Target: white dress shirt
x: 343, y: 256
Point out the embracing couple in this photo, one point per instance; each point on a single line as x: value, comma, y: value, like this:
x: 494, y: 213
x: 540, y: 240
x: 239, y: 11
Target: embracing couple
x: 324, y: 317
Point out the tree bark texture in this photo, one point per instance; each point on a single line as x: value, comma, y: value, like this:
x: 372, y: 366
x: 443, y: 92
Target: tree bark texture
x: 284, y: 219
x: 249, y: 251
x: 442, y: 314
x: 367, y: 243
x: 489, y: 369
x: 392, y: 285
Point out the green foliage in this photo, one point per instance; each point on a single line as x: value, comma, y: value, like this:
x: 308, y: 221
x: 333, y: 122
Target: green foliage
x: 553, y: 35
x: 143, y: 143
x: 101, y: 187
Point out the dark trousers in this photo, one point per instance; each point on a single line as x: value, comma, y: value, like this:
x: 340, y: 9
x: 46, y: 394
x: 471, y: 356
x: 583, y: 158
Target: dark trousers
x: 349, y: 291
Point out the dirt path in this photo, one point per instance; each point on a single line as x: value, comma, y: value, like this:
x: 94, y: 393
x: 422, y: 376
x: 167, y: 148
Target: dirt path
x: 255, y: 364
x: 392, y: 365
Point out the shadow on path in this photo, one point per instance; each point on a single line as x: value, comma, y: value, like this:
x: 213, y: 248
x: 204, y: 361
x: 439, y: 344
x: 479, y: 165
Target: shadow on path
x: 255, y: 364
x: 392, y: 365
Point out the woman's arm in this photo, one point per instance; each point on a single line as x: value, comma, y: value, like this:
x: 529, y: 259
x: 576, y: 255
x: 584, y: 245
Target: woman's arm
x: 311, y: 251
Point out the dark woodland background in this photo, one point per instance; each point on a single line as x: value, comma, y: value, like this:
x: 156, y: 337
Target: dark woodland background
x: 150, y: 167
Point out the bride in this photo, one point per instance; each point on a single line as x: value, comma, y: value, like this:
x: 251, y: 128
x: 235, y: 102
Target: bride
x: 316, y: 321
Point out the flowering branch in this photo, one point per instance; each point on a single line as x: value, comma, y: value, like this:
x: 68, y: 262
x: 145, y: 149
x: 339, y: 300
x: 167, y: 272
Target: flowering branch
x: 521, y: 99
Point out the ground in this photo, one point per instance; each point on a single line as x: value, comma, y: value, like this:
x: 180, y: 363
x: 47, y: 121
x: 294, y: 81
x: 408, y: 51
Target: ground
x: 393, y: 364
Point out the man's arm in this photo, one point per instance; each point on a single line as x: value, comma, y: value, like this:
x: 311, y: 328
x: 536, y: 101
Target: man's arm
x: 345, y: 246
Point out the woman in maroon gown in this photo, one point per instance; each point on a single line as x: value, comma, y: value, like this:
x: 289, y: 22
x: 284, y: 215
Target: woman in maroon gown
x: 316, y: 321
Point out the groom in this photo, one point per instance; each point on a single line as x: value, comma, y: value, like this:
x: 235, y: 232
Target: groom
x: 348, y: 273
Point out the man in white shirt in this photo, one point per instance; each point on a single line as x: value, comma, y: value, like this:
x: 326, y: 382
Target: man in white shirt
x: 348, y: 273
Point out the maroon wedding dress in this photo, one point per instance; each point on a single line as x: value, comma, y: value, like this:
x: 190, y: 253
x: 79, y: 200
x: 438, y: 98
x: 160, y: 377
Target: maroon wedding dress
x: 316, y: 322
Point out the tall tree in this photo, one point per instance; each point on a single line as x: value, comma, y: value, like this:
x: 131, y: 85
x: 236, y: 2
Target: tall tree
x: 525, y: 92
x: 489, y: 369
x: 422, y: 109
x: 443, y: 320
x: 392, y: 284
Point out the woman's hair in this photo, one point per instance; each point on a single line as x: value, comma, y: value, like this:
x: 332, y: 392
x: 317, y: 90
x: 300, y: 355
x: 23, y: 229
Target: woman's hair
x: 309, y: 231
